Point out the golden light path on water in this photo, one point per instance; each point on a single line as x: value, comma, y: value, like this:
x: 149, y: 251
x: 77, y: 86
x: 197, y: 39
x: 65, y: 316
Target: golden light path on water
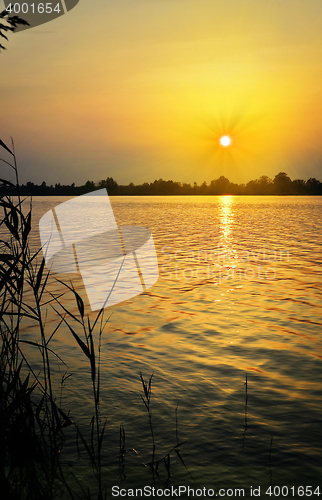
x: 226, y: 216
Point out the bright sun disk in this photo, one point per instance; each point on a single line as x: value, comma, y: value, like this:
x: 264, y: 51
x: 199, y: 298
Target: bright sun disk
x: 225, y: 140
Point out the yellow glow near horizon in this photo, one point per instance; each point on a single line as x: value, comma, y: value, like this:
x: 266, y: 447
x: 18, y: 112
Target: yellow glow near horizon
x: 162, y: 90
x: 225, y: 141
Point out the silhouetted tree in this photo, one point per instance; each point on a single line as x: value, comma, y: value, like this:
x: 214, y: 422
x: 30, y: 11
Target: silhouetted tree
x: 265, y: 184
x: 220, y: 186
x: 186, y: 188
x: 282, y: 183
x: 299, y: 186
x: 88, y: 187
x: 314, y: 186
x: 109, y: 182
x: 252, y: 187
x: 204, y: 188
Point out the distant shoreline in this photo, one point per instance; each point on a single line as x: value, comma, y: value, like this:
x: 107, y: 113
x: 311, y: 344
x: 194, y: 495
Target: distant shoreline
x: 281, y: 185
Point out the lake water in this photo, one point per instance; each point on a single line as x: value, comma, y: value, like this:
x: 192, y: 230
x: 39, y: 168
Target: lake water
x: 239, y: 293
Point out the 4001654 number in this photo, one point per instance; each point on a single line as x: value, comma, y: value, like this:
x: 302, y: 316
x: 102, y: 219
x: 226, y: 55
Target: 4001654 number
x: 40, y: 8
x: 294, y: 491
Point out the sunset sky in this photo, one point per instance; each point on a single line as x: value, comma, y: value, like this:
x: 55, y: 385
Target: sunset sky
x: 144, y: 89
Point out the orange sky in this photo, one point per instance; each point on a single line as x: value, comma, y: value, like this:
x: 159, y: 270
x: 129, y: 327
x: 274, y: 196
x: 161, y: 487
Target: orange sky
x: 140, y: 90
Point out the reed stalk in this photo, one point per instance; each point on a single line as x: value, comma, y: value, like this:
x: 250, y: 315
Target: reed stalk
x: 31, y: 417
x: 28, y: 466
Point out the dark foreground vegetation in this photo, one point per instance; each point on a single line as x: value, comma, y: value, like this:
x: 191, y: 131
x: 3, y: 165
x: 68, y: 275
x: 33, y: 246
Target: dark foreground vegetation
x: 33, y: 420
x: 280, y: 185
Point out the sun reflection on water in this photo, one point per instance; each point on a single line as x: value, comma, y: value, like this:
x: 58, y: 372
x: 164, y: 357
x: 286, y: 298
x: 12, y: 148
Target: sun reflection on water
x: 226, y: 216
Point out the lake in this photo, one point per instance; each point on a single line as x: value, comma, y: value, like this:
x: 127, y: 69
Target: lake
x: 239, y: 294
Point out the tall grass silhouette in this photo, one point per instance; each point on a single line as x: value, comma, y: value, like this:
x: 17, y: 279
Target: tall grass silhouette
x: 32, y: 420
x: 165, y: 459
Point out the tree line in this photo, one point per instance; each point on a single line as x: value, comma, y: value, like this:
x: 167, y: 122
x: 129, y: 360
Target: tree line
x: 280, y: 185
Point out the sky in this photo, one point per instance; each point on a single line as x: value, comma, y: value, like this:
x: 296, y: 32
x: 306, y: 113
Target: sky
x: 140, y: 90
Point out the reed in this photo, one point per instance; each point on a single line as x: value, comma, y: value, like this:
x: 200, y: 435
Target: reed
x: 11, y: 24
x: 36, y: 472
x: 94, y: 448
x: 32, y: 420
x: 269, y: 460
x: 246, y: 410
x: 122, y: 453
x: 165, y: 459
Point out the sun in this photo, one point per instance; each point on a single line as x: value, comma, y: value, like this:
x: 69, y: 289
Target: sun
x: 225, y: 141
